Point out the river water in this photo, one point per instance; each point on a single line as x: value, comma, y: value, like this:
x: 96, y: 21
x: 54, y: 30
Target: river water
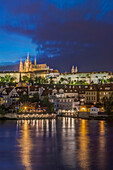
x: 62, y: 144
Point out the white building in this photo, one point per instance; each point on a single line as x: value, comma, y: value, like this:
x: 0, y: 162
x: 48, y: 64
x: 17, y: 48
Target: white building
x: 88, y: 77
x: 93, y: 111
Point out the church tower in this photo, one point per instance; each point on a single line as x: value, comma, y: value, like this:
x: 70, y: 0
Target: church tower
x: 76, y: 70
x: 35, y: 61
x: 27, y: 57
x: 21, y: 69
x: 27, y: 63
x: 72, y: 70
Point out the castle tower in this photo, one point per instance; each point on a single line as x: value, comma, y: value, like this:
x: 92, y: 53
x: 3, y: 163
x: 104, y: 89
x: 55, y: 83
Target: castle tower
x: 35, y: 61
x: 30, y: 66
x: 21, y: 68
x: 25, y: 65
x: 72, y: 70
x: 76, y: 69
x: 27, y: 57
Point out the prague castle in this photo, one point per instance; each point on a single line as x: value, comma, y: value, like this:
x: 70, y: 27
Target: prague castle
x: 29, y: 67
x: 36, y: 70
x: 33, y: 70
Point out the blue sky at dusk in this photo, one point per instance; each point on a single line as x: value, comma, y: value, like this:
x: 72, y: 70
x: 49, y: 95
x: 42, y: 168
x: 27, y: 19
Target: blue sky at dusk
x: 60, y: 33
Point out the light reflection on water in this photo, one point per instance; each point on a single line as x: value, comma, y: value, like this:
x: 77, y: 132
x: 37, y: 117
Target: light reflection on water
x: 83, y: 151
x: 102, y: 143
x: 65, y: 143
x: 25, y: 144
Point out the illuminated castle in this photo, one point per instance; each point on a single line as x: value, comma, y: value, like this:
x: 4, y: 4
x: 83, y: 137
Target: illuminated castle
x: 74, y: 70
x: 27, y: 66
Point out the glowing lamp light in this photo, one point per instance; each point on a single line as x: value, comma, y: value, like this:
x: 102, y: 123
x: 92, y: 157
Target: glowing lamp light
x: 83, y: 109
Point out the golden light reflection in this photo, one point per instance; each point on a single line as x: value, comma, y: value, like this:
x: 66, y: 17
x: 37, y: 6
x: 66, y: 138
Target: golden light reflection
x: 102, y: 143
x: 102, y: 127
x: 83, y: 152
x: 25, y: 144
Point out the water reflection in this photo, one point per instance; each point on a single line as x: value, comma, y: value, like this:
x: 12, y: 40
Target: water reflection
x: 68, y: 154
x: 25, y: 144
x: 65, y: 143
x: 83, y: 143
x: 102, y: 143
x: 102, y: 127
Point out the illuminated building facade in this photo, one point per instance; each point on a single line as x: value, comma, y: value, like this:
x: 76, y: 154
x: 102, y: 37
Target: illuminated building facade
x: 88, y: 77
x: 36, y: 70
x: 29, y: 67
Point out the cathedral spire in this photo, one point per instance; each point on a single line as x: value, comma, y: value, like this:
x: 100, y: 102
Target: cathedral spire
x: 35, y: 61
x: 76, y: 69
x: 21, y: 66
x: 28, y: 56
x: 72, y: 70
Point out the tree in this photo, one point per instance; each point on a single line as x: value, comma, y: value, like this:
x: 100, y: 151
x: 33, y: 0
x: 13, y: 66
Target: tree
x: 2, y: 79
x: 110, y: 80
x: 12, y: 80
x: 69, y: 80
x: 35, y: 98
x: 24, y: 98
x: 38, y: 80
x: 108, y: 103
x: 2, y: 109
x: 45, y: 81
x: 99, y: 81
x: 31, y: 80
x: 98, y: 105
x: 75, y: 82
x: 61, y: 80
x: 45, y: 103
x: 75, y: 109
x: 51, y: 80
x: 50, y: 108
x: 7, y: 78
x: 25, y: 79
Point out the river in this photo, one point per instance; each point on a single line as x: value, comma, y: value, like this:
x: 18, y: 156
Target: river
x: 62, y: 144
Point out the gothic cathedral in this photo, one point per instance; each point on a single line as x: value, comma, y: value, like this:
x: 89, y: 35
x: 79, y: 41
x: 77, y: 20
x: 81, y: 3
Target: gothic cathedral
x: 27, y: 66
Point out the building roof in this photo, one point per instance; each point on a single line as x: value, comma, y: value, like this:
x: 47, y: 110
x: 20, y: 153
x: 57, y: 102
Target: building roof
x: 6, y: 91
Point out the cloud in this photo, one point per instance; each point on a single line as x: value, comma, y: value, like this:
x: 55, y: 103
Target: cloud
x: 70, y: 31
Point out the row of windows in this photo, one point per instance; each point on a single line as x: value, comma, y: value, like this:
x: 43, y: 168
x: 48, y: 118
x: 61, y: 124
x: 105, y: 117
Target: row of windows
x: 90, y: 98
x: 62, y: 91
x: 104, y: 93
x: 63, y: 105
x: 65, y: 100
x: 90, y: 93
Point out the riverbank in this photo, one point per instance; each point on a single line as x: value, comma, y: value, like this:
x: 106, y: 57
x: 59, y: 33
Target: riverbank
x: 99, y: 117
x: 26, y: 116
x: 88, y: 116
x: 8, y: 116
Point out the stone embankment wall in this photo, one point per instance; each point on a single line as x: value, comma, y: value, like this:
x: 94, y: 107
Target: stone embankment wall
x: 36, y: 116
x: 83, y: 114
x: 27, y: 116
x: 9, y: 116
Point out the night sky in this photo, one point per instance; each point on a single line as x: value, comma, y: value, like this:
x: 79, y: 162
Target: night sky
x: 60, y: 33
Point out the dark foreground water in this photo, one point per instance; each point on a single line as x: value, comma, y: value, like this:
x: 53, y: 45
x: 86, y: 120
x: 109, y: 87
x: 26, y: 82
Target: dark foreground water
x: 61, y: 144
